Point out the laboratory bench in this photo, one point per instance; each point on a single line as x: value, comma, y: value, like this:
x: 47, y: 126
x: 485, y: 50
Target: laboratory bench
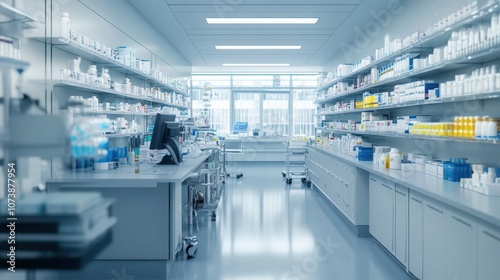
x: 148, y: 235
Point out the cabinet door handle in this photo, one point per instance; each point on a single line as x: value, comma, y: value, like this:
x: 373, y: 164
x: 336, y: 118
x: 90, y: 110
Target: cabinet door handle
x: 371, y: 179
x: 416, y: 200
x: 346, y: 201
x: 435, y: 209
x: 387, y: 187
x: 492, y: 236
x: 461, y: 221
x: 401, y: 193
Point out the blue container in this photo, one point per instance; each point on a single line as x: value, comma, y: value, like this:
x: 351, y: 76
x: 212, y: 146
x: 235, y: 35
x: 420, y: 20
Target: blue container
x: 456, y: 169
x: 365, y: 154
x: 122, y: 152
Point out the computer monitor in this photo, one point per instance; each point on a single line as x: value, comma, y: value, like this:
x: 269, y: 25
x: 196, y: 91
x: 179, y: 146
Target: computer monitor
x: 240, y: 127
x: 165, y: 136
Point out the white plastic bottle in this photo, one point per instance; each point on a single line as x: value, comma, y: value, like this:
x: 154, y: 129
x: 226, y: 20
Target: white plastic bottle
x: 484, y: 127
x: 106, y: 78
x: 92, y: 74
x: 65, y: 25
x: 492, y: 129
x: 395, y: 159
x: 479, y: 127
x: 95, y: 103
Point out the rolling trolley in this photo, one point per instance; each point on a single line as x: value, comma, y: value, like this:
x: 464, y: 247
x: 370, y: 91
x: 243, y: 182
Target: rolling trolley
x: 211, y: 184
x: 296, y: 151
x: 234, y: 146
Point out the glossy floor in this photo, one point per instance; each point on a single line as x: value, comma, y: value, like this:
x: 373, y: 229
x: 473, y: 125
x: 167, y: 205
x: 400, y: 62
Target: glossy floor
x: 266, y: 230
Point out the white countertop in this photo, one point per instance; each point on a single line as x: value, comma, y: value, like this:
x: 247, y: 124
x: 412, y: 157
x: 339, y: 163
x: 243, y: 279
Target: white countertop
x: 150, y: 175
x: 484, y: 207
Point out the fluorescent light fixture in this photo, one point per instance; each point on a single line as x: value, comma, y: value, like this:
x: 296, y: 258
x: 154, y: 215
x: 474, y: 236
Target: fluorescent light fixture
x: 258, y: 47
x: 262, y: 20
x: 256, y: 64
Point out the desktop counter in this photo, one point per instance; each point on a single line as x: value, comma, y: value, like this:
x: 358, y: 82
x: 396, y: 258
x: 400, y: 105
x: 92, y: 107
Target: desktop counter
x: 148, y: 234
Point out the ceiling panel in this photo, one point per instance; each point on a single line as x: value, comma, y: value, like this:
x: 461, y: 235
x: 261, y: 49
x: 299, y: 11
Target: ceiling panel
x: 262, y: 2
x: 326, y: 21
x: 224, y: 39
x: 183, y: 23
x: 205, y: 53
x: 229, y: 10
x: 294, y: 60
x: 307, y: 46
x: 256, y: 32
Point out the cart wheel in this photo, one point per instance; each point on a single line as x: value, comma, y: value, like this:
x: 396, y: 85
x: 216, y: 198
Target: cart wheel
x: 239, y: 176
x: 214, y: 217
x: 191, y: 251
x: 309, y: 183
x: 289, y: 181
x: 303, y: 180
x: 284, y: 174
x: 223, y: 182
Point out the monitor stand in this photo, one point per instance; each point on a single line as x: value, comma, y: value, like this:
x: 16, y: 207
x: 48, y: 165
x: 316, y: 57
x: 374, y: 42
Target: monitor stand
x: 174, y: 157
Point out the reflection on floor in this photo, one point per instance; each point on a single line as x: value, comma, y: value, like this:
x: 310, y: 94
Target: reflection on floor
x: 266, y: 230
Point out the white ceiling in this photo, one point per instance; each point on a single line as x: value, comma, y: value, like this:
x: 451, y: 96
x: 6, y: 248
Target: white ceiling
x: 182, y: 22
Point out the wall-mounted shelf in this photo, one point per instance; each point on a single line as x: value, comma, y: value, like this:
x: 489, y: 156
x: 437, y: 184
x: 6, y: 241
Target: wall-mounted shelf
x: 12, y: 63
x: 463, y: 62
x: 432, y: 40
x: 94, y: 56
x: 17, y: 16
x: 482, y: 96
x: 99, y: 90
x: 411, y: 136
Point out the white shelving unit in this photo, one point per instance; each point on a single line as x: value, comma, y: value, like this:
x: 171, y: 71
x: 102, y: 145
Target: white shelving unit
x: 423, y: 45
x: 97, y: 57
x: 12, y: 25
x: 77, y: 49
x: 99, y: 90
x: 392, y: 211
x: 437, y: 101
x: 411, y: 136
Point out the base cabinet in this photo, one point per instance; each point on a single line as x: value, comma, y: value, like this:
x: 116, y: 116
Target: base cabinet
x: 488, y: 252
x: 345, y: 185
x: 415, y: 235
x: 401, y: 224
x: 434, y: 255
x: 381, y: 205
x: 461, y: 253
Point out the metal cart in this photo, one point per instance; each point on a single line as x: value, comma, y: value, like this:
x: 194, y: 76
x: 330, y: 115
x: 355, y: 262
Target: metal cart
x: 232, y: 146
x: 296, y: 151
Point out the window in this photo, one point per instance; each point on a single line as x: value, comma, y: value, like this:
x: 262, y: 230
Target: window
x: 261, y: 81
x: 303, y: 112
x: 269, y: 112
x: 275, y: 114
x: 247, y: 109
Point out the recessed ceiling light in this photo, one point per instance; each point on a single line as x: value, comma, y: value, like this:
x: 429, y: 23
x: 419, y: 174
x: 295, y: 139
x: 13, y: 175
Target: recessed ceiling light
x: 258, y: 47
x: 262, y: 20
x: 256, y: 64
